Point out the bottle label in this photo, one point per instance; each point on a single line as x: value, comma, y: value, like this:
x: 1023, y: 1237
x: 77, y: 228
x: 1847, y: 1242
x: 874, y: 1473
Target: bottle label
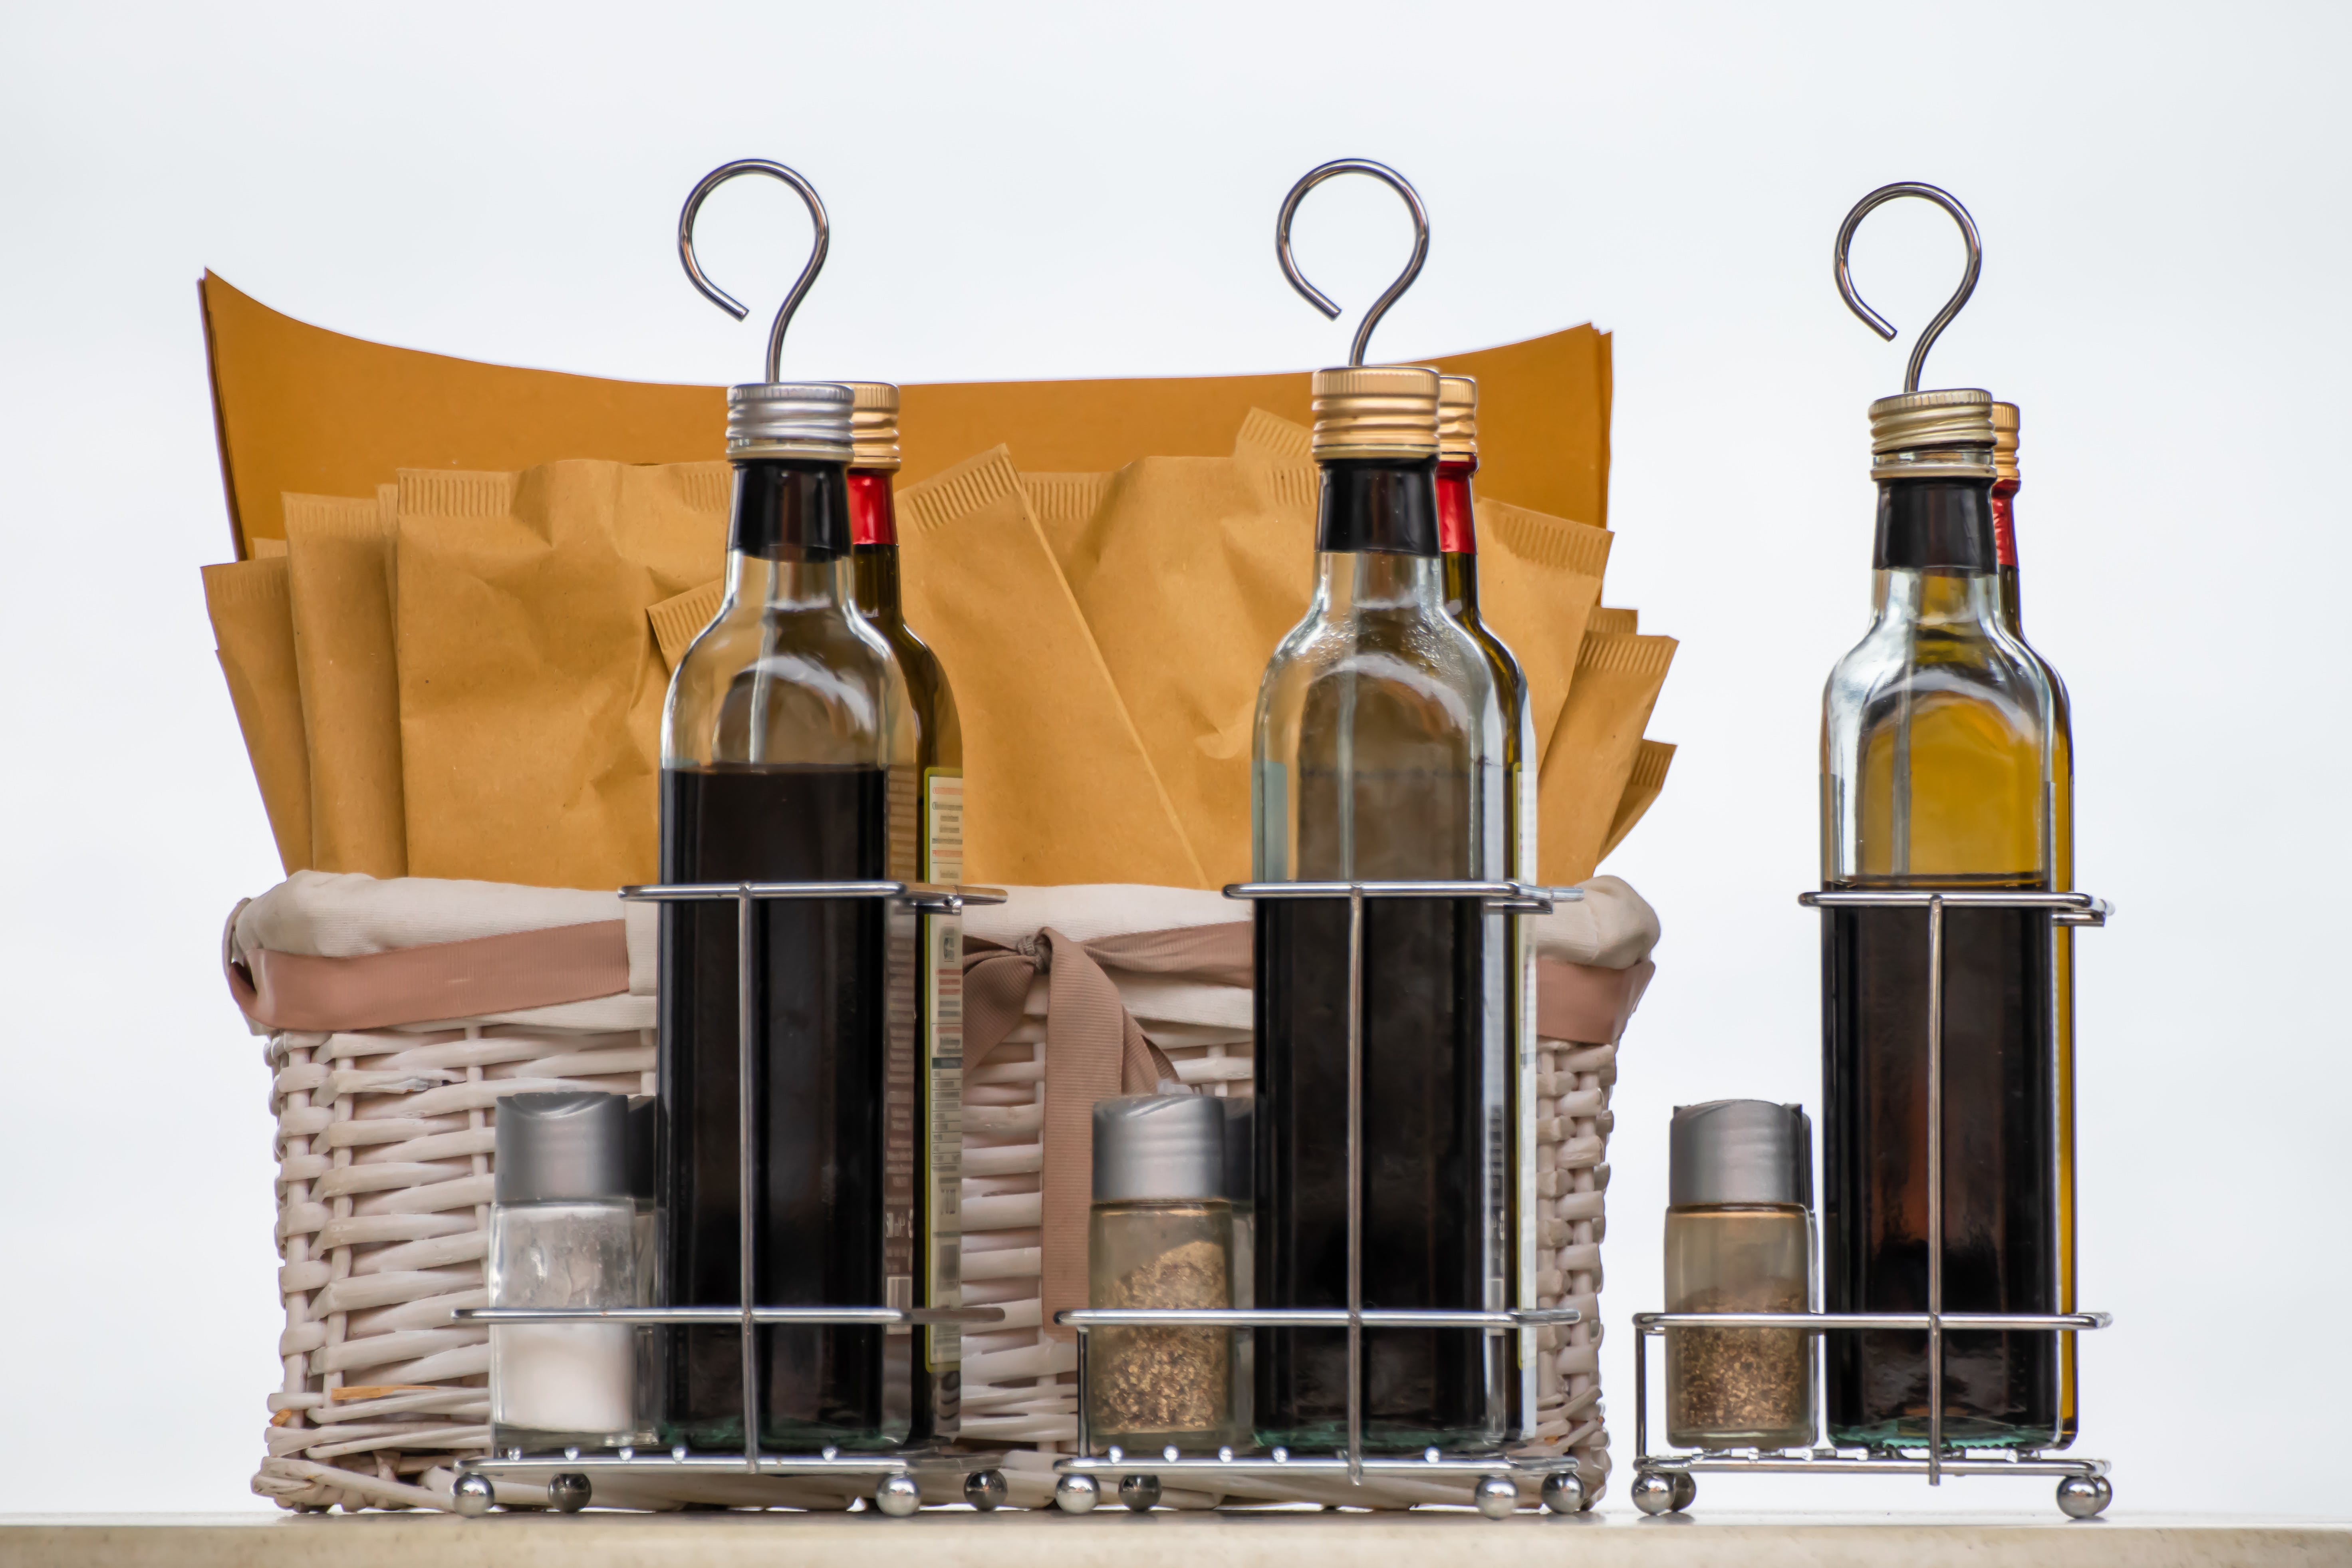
x: 943, y: 1243
x: 942, y: 990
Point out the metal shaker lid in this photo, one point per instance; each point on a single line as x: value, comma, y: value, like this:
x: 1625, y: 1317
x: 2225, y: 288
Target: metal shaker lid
x: 568, y: 1147
x: 1159, y: 1146
x: 1740, y: 1152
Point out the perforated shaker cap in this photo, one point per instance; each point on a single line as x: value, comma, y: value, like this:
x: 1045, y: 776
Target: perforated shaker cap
x: 569, y: 1147
x: 1159, y: 1146
x: 1740, y: 1152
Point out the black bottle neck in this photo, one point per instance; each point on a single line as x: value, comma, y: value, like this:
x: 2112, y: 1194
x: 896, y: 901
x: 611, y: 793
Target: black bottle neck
x: 1941, y: 524
x: 790, y: 509
x: 1386, y: 505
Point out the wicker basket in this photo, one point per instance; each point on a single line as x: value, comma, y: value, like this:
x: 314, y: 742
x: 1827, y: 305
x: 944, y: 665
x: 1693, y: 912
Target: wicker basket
x: 384, y: 1139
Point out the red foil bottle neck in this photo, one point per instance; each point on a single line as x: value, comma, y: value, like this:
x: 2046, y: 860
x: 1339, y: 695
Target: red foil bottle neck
x: 2004, y: 531
x: 1456, y: 533
x: 873, y: 514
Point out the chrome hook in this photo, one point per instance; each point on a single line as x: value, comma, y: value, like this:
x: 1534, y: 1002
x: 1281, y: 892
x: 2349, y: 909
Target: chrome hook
x: 1872, y: 319
x: 1315, y: 297
x: 719, y: 297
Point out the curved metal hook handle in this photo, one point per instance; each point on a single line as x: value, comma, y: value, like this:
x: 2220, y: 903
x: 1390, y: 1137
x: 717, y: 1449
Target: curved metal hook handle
x: 1878, y: 323
x: 1315, y: 297
x: 719, y: 297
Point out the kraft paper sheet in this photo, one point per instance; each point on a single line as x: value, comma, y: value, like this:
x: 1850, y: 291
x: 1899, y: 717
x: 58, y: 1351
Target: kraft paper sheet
x: 531, y: 688
x: 340, y: 563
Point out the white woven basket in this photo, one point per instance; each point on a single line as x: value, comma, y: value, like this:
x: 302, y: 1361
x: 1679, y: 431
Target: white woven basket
x: 384, y: 1140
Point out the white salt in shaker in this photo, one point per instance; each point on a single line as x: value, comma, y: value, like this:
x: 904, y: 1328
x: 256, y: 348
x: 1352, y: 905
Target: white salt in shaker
x: 563, y: 1234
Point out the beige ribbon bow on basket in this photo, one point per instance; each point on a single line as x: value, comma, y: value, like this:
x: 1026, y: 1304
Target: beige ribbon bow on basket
x: 1094, y: 1049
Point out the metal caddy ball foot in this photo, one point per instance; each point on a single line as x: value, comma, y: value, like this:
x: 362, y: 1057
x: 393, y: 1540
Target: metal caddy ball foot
x: 1664, y: 1483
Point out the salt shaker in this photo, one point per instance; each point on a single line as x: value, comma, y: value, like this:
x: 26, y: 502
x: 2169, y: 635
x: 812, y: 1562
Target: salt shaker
x: 1740, y: 1239
x: 563, y: 1234
x: 1161, y: 1234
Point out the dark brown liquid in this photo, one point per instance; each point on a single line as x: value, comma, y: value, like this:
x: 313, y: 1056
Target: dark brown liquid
x: 1999, y: 1170
x: 835, y: 1201
x: 1432, y: 1113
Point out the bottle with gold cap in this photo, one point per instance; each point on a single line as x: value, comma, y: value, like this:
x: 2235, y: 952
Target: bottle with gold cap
x: 1457, y: 544
x: 1935, y: 746
x: 787, y: 723
x: 937, y: 777
x: 1378, y: 755
x: 2061, y: 819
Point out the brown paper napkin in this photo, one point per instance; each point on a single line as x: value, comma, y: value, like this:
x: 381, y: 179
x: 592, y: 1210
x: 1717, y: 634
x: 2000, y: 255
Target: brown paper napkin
x: 1538, y: 579
x: 1060, y: 787
x: 1190, y: 573
x: 1618, y: 676
x: 253, y: 627
x: 339, y: 561
x: 1648, y: 776
x: 1607, y: 619
x: 530, y: 688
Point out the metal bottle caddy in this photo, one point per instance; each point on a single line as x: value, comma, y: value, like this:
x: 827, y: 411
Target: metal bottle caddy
x: 1079, y: 1487
x: 1662, y: 1481
x: 570, y: 1475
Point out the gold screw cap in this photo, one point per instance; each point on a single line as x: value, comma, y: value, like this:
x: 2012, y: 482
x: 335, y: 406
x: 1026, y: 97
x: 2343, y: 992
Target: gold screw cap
x: 874, y: 425
x: 2004, y: 441
x: 1932, y: 434
x: 1382, y: 411
x: 1457, y: 418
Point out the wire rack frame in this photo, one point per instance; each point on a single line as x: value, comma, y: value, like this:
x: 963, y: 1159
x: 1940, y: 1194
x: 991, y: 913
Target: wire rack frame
x: 1662, y: 1481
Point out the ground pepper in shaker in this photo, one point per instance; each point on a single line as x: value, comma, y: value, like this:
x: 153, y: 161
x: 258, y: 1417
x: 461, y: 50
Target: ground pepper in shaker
x: 563, y: 1234
x: 1740, y: 1239
x: 1161, y: 1234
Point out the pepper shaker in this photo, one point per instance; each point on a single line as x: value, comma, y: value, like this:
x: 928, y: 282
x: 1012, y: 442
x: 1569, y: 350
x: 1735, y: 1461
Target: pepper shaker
x: 563, y: 1234
x: 1161, y: 1234
x: 1740, y: 1239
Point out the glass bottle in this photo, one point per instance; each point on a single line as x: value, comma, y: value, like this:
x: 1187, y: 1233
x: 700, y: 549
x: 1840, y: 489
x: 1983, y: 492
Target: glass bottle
x: 563, y: 1234
x: 937, y: 775
x: 788, y: 750
x: 1161, y: 1234
x: 1740, y: 1239
x: 1935, y: 735
x: 1458, y: 543
x: 1378, y: 752
x: 2061, y: 818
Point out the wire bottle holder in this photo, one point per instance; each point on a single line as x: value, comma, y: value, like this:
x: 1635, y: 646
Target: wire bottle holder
x: 1080, y: 1477
x: 570, y: 1475
x: 1664, y: 1483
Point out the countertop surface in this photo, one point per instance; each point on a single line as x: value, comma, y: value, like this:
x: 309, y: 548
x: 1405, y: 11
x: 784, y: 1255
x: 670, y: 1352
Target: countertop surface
x: 1166, y: 1539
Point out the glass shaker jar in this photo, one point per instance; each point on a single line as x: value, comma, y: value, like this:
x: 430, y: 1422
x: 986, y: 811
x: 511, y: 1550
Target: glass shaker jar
x: 1740, y: 1239
x: 1161, y: 1234
x: 563, y: 1234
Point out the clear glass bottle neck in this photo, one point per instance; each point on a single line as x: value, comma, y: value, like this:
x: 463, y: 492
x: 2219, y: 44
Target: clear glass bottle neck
x: 1938, y: 597
x: 1350, y: 585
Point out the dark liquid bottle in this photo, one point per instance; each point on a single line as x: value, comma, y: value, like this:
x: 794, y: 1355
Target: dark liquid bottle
x: 2005, y: 485
x: 785, y: 738
x: 1458, y: 543
x: 1935, y: 741
x: 1379, y: 738
x: 938, y: 818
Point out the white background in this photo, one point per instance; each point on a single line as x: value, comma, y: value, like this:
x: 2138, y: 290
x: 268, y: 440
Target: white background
x: 1082, y: 190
